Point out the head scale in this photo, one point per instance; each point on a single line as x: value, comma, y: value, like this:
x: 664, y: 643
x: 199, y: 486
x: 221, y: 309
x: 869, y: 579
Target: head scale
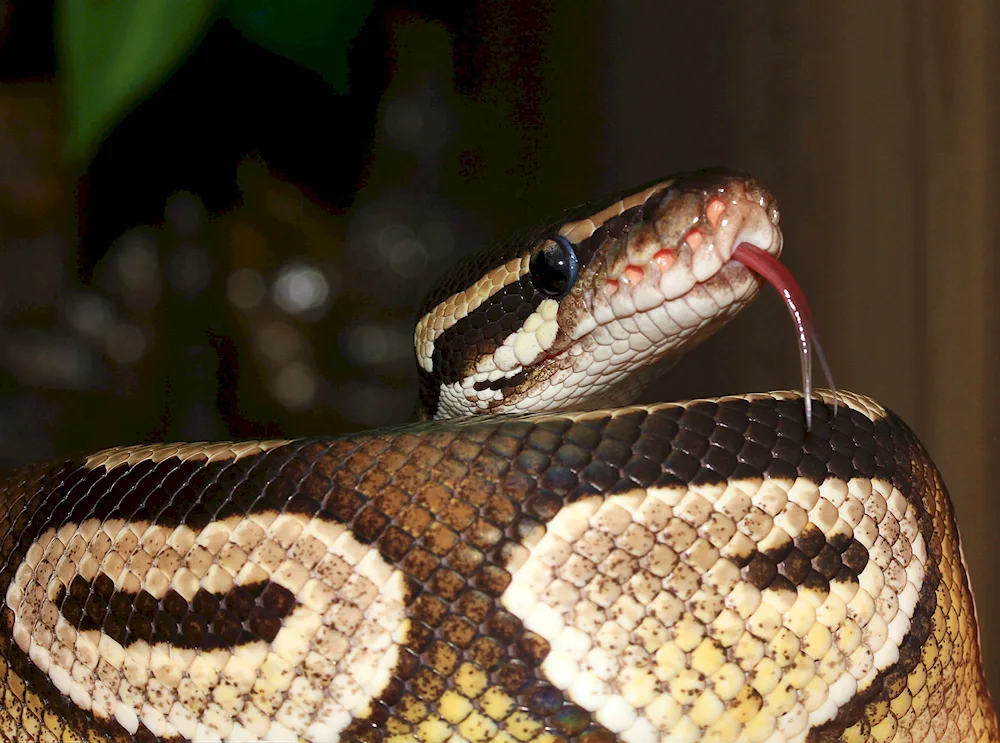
x: 577, y: 313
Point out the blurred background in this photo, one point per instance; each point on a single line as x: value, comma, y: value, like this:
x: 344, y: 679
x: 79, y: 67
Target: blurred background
x: 217, y: 218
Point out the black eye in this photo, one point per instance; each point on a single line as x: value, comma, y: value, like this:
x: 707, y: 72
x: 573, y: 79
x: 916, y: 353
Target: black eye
x: 554, y: 268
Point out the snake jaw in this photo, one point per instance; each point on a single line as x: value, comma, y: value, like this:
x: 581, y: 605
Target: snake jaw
x: 688, y: 244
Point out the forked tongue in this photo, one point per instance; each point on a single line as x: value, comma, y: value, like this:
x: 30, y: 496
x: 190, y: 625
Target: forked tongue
x: 771, y: 270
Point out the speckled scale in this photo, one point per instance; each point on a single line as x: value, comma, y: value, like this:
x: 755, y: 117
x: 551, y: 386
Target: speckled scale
x: 685, y: 569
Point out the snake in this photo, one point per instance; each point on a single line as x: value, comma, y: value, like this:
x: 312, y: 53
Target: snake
x: 534, y: 559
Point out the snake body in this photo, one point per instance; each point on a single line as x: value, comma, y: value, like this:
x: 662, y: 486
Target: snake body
x: 707, y: 570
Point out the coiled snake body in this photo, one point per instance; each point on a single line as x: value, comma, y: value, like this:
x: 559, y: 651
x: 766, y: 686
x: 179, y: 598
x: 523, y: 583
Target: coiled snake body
x: 707, y: 570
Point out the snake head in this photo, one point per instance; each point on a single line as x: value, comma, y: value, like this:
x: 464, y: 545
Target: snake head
x: 584, y: 310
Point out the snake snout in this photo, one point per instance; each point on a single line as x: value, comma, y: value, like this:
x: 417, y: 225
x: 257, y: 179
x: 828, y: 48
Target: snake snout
x: 741, y: 210
x: 693, y: 235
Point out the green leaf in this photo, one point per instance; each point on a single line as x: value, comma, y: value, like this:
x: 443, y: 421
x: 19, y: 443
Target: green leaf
x: 314, y: 33
x: 112, y: 53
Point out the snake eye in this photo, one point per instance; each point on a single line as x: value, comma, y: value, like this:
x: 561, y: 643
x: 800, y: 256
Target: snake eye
x: 554, y: 269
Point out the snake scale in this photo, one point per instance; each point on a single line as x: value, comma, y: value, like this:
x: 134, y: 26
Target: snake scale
x: 713, y: 570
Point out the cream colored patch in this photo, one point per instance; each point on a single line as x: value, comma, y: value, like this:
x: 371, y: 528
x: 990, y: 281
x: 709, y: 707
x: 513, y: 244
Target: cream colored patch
x: 577, y: 232
x: 334, y: 653
x: 864, y: 405
x: 535, y: 337
x: 655, y: 630
x: 211, y: 452
x: 460, y: 398
x: 445, y: 315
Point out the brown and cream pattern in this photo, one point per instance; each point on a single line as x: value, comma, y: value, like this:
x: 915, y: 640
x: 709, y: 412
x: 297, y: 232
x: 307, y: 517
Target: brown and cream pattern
x: 330, y: 609
x: 698, y: 571
x: 750, y: 609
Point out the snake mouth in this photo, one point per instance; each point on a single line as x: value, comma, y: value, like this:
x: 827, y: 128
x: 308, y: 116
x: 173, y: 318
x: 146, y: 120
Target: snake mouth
x: 653, y: 292
x: 687, y: 250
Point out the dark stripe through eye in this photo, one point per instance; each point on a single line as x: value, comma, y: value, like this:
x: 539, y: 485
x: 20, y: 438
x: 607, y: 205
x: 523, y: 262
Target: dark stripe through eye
x: 555, y: 268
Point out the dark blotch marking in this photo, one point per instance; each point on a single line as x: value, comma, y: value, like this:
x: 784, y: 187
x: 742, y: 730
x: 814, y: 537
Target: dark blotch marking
x: 810, y: 540
x: 670, y: 447
x: 816, y: 582
x: 760, y: 571
x: 505, y: 627
x: 171, y: 492
x: 244, y: 614
x: 827, y: 563
x: 428, y: 684
x: 532, y: 648
x: 779, y: 551
x: 855, y: 557
x: 145, y: 735
x: 503, y: 382
x: 796, y: 566
x: 570, y: 719
x: 545, y: 701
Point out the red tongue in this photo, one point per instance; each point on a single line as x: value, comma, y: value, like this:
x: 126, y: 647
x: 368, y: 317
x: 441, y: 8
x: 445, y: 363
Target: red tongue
x: 768, y: 268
